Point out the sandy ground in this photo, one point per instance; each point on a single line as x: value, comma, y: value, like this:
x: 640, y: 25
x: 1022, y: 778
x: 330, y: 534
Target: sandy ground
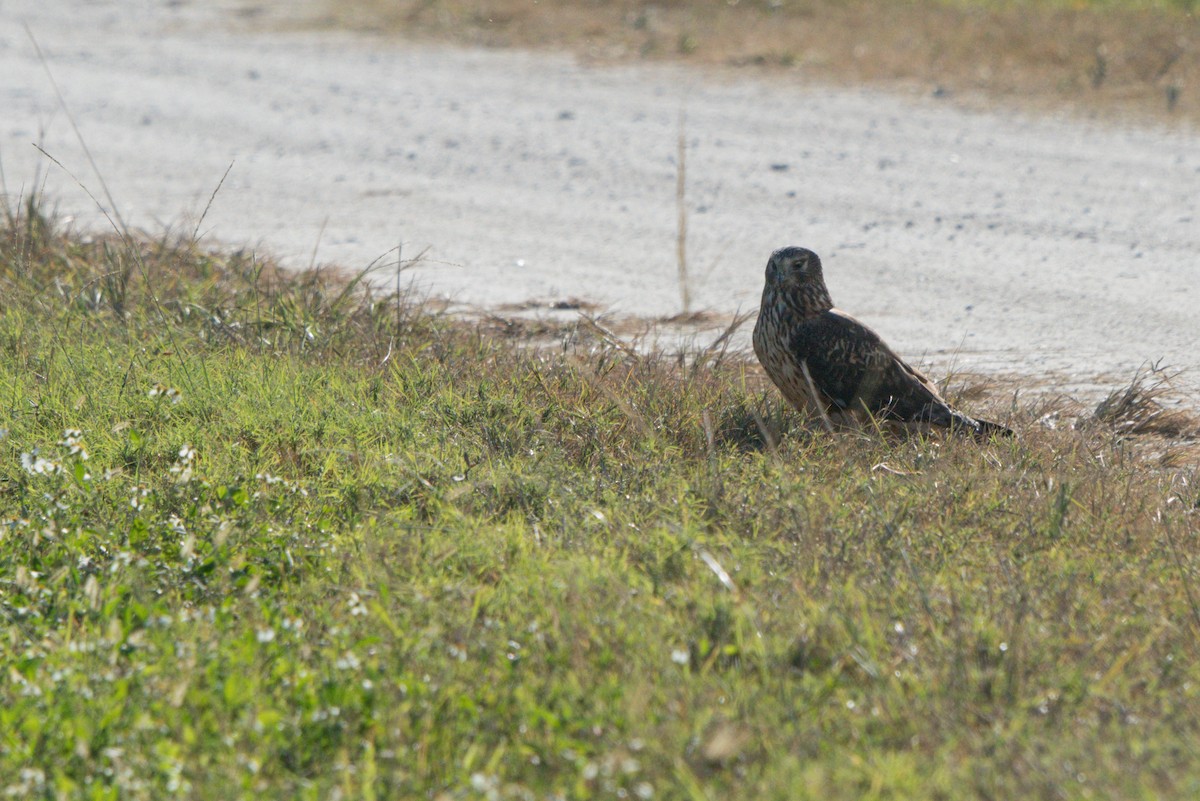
x: 993, y: 241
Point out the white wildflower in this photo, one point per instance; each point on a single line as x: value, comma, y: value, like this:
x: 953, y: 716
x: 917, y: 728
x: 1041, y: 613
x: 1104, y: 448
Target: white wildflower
x: 137, y: 498
x: 182, y: 469
x: 163, y: 391
x: 73, y: 441
x: 36, y: 465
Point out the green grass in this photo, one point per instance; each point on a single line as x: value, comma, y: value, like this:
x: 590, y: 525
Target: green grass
x: 324, y: 542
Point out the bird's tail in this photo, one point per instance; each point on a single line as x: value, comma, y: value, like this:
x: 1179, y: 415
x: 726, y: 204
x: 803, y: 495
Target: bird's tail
x: 980, y: 429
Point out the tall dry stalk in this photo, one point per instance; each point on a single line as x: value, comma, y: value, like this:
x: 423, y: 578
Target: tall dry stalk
x: 685, y: 290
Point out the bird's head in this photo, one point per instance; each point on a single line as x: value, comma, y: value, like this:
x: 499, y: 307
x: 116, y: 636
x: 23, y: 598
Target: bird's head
x: 793, y: 265
x: 794, y: 278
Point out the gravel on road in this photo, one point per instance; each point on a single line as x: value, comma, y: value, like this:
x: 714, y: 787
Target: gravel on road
x: 995, y: 241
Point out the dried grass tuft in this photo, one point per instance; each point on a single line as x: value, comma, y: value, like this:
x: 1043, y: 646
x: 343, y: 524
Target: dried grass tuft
x: 1142, y: 407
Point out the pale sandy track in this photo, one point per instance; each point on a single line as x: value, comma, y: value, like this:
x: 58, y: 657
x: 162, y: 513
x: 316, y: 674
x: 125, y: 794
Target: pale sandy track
x: 999, y: 241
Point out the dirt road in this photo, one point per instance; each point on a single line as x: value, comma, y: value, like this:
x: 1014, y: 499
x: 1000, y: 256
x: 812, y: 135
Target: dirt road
x: 996, y: 241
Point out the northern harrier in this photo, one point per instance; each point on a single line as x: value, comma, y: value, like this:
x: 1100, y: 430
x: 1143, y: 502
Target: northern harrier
x: 807, y: 345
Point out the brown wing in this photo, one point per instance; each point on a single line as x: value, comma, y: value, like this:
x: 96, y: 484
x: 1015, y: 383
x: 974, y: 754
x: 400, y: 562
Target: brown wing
x: 854, y: 369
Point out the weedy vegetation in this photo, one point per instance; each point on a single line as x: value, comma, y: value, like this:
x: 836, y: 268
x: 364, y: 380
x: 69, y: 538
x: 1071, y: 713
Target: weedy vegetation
x: 280, y: 535
x: 1140, y: 56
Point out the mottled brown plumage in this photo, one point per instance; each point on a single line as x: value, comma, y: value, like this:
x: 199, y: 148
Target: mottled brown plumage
x: 851, y: 369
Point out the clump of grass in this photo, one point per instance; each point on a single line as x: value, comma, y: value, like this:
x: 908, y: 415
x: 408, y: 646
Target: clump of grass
x: 1140, y: 408
x: 281, y: 535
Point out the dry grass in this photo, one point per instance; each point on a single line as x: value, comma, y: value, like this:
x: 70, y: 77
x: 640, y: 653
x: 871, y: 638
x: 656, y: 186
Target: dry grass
x: 1150, y: 405
x: 1139, y: 57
